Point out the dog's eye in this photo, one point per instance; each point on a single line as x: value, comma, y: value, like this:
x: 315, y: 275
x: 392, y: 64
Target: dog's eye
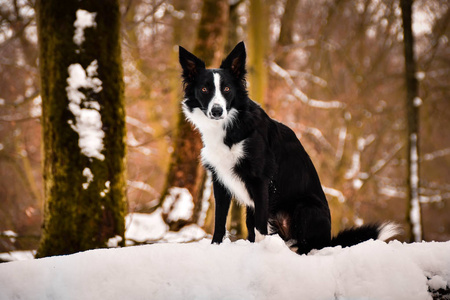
x: 226, y: 89
x: 204, y: 90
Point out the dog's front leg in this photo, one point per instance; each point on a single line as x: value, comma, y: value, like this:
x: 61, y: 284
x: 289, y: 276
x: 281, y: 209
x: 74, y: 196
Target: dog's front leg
x: 222, y: 201
x: 261, y: 214
x: 250, y: 221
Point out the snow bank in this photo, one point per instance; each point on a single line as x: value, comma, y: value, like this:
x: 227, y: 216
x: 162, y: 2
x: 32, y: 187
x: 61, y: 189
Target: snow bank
x: 240, y: 270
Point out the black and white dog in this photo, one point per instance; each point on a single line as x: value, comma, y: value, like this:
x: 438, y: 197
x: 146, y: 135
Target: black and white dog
x: 259, y: 161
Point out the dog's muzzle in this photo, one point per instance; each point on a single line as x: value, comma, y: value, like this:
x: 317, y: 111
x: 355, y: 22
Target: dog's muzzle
x: 216, y: 112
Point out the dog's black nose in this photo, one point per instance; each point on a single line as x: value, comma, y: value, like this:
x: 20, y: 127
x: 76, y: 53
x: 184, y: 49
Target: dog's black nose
x: 216, y: 111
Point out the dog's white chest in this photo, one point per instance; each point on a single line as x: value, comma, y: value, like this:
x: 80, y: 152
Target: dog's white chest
x: 223, y: 159
x: 219, y: 156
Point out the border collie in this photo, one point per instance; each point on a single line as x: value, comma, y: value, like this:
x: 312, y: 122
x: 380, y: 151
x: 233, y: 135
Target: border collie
x: 259, y: 161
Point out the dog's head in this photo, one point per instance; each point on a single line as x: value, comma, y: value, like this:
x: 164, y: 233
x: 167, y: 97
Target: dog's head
x: 214, y: 91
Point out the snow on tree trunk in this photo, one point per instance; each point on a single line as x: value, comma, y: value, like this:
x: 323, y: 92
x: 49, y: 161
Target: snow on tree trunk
x: 83, y: 125
x: 413, y: 215
x: 414, y: 212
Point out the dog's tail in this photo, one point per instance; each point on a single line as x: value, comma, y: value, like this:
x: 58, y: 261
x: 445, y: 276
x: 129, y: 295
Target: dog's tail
x: 356, y: 235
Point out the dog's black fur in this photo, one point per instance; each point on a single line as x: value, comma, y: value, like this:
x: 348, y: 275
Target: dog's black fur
x: 270, y: 171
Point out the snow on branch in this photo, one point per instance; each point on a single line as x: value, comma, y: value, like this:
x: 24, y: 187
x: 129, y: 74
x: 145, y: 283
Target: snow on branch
x: 380, y: 164
x: 317, y: 134
x: 436, y: 154
x: 334, y: 193
x: 299, y: 94
x: 139, y: 124
x: 142, y: 186
x: 425, y: 196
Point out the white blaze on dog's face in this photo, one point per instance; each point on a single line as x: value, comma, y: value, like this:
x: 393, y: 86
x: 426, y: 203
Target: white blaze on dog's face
x: 217, y: 107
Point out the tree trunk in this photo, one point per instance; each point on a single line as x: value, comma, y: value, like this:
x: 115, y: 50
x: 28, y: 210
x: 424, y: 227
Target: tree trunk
x: 257, y: 50
x: 185, y: 170
x: 413, y: 215
x: 236, y: 222
x: 286, y: 28
x: 83, y: 125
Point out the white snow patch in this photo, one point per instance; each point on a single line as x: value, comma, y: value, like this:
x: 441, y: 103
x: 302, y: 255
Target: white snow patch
x: 151, y: 228
x: 114, y: 241
x: 36, y: 108
x: 240, y: 270
x: 145, y: 227
x: 10, y: 234
x: 417, y: 101
x: 84, y: 20
x: 178, y: 204
x: 420, y: 75
x: 437, y: 282
x: 89, y: 178
x: 357, y: 183
x: 422, y: 22
x: 88, y: 123
x: 16, y: 256
x: 414, y: 214
x: 186, y: 234
x: 358, y: 221
x: 106, y: 189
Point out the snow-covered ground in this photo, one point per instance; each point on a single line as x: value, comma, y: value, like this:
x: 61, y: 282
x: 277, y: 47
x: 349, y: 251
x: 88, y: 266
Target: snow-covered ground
x: 239, y: 270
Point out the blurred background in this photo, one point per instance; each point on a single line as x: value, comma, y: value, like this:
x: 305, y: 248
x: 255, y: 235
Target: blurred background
x: 332, y: 70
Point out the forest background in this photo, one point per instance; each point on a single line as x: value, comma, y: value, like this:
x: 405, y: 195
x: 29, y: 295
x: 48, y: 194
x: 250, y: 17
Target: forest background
x: 333, y: 71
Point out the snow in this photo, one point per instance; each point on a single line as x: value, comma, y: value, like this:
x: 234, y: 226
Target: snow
x: 145, y: 227
x: 239, y: 270
x: 414, y: 213
x: 88, y: 123
x: 36, y: 107
x: 334, y: 193
x: 17, y: 255
x: 437, y: 154
x: 89, y: 178
x: 84, y: 20
x: 178, y: 204
x: 151, y: 228
x: 140, y: 185
x: 417, y: 101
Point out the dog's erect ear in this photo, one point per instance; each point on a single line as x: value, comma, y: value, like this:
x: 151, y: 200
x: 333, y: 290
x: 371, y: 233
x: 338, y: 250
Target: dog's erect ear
x: 190, y: 63
x: 235, y: 61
